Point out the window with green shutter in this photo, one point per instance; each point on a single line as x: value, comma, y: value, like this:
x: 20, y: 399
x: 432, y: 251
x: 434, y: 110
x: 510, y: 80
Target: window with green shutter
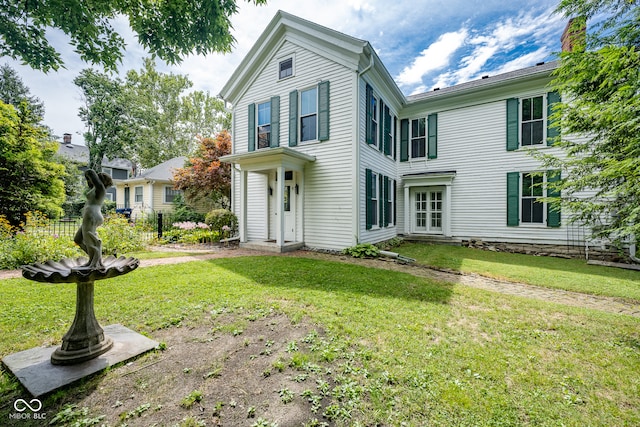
x: 553, y: 127
x: 251, y: 137
x: 513, y: 199
x: 512, y: 124
x: 404, y: 140
x: 554, y: 214
x: 432, y: 143
x: 369, y: 114
x: 275, y: 122
x: 388, y: 131
x: 371, y: 198
x: 293, y: 118
x: 323, y: 110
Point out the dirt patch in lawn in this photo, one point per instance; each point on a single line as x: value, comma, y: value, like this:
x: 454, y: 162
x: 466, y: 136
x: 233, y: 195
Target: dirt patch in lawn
x: 231, y: 370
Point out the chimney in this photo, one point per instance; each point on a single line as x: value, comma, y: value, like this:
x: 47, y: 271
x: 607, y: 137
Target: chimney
x: 66, y: 138
x: 574, y: 35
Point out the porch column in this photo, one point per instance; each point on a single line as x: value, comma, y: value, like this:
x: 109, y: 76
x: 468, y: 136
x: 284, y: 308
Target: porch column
x: 407, y: 211
x: 447, y: 212
x: 280, y: 207
x: 243, y: 206
x: 300, y: 208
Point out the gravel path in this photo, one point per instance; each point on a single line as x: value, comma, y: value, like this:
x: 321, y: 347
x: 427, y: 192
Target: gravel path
x: 576, y: 299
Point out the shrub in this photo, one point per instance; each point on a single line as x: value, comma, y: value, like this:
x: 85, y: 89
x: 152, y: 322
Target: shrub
x: 189, y: 232
x: 219, y: 218
x: 182, y: 212
x: 362, y: 250
x: 119, y: 236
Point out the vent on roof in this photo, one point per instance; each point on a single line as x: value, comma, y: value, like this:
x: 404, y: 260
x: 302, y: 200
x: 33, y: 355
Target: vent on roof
x: 540, y: 63
x: 485, y: 77
x: 436, y: 88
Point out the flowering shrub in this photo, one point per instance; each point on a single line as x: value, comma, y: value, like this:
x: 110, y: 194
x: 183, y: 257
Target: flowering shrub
x: 220, y: 218
x: 119, y: 236
x: 189, y: 232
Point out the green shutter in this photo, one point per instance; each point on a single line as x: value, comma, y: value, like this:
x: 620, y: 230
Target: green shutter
x: 512, y: 124
x: 404, y: 140
x: 553, y: 211
x: 369, y: 213
x: 380, y: 201
x: 275, y: 121
x: 293, y: 118
x: 395, y: 201
x: 381, y: 126
x: 385, y: 200
x: 369, y: 114
x: 513, y: 198
x: 395, y: 136
x: 432, y: 146
x: 553, y: 129
x: 251, y: 137
x: 387, y: 131
x: 323, y: 110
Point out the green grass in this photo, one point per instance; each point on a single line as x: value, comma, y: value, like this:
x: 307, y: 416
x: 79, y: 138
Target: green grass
x: 433, y: 353
x: 569, y: 274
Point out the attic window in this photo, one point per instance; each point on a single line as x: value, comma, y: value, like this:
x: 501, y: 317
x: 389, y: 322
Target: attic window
x: 286, y: 68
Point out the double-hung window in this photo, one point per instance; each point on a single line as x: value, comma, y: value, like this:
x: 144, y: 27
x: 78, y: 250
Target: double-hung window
x: 532, y: 123
x: 264, y: 125
x: 418, y: 138
x: 309, y: 114
x: 170, y: 194
x: 532, y: 207
x: 374, y: 200
x: 137, y: 194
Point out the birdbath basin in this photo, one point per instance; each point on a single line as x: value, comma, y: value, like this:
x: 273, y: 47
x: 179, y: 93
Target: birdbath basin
x: 85, y: 339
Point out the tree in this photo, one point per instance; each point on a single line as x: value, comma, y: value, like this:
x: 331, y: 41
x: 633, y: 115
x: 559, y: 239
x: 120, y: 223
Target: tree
x: 205, y: 177
x: 105, y: 115
x: 155, y: 105
x: 164, y: 120
x: 29, y: 179
x: 169, y: 29
x: 600, y: 88
x: 13, y: 91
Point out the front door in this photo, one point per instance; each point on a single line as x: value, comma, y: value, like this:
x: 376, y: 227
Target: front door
x: 427, y: 210
x: 289, y: 211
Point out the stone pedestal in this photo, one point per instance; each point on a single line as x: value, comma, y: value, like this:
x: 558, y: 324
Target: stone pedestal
x: 85, y: 339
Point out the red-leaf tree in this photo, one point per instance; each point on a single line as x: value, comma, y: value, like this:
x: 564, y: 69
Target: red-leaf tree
x: 204, y: 177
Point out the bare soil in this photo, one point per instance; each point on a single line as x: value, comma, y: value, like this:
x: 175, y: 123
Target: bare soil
x: 243, y: 373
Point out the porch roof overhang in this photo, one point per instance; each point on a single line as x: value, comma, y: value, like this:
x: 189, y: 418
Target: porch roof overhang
x: 428, y: 178
x: 268, y: 159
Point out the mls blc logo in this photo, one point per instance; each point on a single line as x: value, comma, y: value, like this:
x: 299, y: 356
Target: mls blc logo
x: 34, y: 406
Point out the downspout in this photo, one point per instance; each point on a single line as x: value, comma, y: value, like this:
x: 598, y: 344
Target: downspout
x: 357, y: 147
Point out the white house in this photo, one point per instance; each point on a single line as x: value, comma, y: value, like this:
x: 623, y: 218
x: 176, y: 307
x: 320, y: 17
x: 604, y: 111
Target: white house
x: 328, y: 152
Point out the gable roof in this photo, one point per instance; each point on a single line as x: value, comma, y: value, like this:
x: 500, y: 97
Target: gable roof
x: 346, y: 50
x: 80, y: 154
x: 162, y: 172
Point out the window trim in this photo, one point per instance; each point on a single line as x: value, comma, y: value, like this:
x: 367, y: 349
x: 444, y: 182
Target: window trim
x: 281, y: 60
x: 258, y: 125
x: 135, y: 195
x: 424, y: 138
x: 164, y: 193
x: 521, y: 121
x: 300, y: 116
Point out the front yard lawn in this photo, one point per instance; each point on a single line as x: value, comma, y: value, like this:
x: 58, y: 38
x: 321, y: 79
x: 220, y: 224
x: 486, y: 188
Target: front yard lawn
x: 568, y: 274
x: 397, y: 349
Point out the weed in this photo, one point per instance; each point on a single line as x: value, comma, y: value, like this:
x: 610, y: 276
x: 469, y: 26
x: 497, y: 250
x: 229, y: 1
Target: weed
x: 192, y: 422
x: 71, y: 415
x: 286, y: 395
x: 261, y: 422
x: 292, y: 347
x: 189, y: 400
x: 279, y: 365
x: 251, y: 412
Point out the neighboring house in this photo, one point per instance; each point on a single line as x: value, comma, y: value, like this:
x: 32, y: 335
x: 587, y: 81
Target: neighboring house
x: 328, y: 152
x: 119, y: 169
x: 152, y: 190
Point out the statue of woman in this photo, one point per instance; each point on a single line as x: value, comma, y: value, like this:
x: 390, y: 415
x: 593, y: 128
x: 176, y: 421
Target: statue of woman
x: 86, y: 237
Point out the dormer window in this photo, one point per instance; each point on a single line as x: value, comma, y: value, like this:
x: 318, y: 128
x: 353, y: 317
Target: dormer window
x: 286, y: 68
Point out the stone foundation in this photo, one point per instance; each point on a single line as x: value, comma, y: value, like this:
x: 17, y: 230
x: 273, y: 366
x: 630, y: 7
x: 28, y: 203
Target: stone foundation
x: 601, y: 253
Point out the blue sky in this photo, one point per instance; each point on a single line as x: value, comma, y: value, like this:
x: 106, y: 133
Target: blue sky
x: 423, y: 43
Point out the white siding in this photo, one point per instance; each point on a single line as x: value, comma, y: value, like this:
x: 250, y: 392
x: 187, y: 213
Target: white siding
x: 327, y: 181
x: 472, y: 142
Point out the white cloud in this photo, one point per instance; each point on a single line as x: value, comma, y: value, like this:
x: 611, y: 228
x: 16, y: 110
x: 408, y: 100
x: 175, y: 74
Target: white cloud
x: 436, y: 56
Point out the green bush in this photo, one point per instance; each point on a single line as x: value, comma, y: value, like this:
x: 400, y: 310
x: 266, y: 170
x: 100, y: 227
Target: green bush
x: 182, y: 212
x: 218, y: 218
x: 362, y: 250
x: 33, y: 243
x: 120, y: 236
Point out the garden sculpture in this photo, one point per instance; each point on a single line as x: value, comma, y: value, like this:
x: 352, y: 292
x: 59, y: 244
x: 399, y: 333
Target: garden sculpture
x: 85, y: 339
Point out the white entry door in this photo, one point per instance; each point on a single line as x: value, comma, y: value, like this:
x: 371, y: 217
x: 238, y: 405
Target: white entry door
x: 428, y: 211
x: 289, y: 211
